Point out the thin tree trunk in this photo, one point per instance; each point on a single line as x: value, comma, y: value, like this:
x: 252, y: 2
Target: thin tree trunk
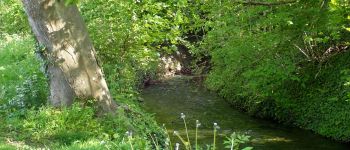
x: 72, y: 68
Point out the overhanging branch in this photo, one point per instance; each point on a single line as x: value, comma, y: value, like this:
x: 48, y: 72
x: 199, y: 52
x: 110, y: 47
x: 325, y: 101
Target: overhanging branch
x: 248, y: 2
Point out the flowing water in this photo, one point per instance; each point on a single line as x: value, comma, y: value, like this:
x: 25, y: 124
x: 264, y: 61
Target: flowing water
x: 178, y: 95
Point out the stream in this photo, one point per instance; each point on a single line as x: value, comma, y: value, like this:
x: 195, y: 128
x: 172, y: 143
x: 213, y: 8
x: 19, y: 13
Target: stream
x: 168, y: 99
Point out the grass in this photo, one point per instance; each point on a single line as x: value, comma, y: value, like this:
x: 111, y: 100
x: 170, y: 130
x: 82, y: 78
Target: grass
x: 6, y: 146
x: 27, y: 123
x: 77, y: 128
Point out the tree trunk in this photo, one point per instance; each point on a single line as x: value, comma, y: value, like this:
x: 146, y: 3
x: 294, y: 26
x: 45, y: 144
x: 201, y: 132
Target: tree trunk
x: 72, y: 67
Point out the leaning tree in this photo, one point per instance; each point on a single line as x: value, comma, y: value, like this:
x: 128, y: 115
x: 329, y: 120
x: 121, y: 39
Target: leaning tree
x: 71, y: 65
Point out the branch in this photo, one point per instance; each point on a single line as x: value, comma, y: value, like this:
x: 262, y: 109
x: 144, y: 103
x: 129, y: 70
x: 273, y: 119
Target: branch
x: 301, y: 50
x: 248, y: 2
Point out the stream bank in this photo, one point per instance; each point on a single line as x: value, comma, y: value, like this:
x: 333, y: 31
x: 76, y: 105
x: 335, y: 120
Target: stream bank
x: 166, y: 100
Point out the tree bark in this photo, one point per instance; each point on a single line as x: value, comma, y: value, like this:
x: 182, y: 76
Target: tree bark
x: 72, y: 67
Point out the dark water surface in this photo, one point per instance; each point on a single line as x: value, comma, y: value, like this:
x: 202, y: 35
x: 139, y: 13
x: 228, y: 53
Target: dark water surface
x: 178, y: 95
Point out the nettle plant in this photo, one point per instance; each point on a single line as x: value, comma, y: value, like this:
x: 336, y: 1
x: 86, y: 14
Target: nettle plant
x: 29, y: 94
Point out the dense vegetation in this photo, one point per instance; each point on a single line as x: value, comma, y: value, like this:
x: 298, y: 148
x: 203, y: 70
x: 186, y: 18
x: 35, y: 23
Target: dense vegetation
x: 26, y: 118
x: 288, y: 62
x: 281, y: 60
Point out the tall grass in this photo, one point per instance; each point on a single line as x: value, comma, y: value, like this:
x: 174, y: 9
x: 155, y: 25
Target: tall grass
x: 233, y: 142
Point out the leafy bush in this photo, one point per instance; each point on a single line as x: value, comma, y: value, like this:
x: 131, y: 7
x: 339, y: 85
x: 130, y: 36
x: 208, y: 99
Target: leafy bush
x: 282, y: 62
x: 129, y: 36
x: 13, y: 19
x: 23, y: 84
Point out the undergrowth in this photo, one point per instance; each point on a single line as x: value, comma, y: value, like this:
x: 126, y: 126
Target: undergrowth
x: 77, y: 127
x: 288, y: 63
x: 27, y: 123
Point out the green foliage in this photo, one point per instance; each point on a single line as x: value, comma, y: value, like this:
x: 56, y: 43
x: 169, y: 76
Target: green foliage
x: 325, y: 102
x: 235, y: 140
x: 6, y: 146
x: 70, y: 2
x: 13, y: 19
x: 282, y: 62
x: 22, y: 84
x: 341, y: 7
x: 78, y: 127
x: 129, y: 36
x: 26, y: 123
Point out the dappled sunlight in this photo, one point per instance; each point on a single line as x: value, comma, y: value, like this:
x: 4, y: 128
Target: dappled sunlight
x: 16, y: 144
x: 55, y: 25
x: 170, y: 66
x: 269, y: 139
x: 49, y: 3
x: 227, y: 74
x: 73, y: 70
x: 202, y: 133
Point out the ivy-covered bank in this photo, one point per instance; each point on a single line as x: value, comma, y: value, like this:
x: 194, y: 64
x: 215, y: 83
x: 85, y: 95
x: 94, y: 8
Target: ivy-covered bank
x: 283, y: 60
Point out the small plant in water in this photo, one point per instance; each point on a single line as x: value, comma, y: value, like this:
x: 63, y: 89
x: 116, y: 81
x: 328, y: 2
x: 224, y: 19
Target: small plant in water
x: 168, y: 141
x: 198, y: 124
x: 216, y: 127
x: 235, y: 140
x: 183, y: 117
x: 182, y: 140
